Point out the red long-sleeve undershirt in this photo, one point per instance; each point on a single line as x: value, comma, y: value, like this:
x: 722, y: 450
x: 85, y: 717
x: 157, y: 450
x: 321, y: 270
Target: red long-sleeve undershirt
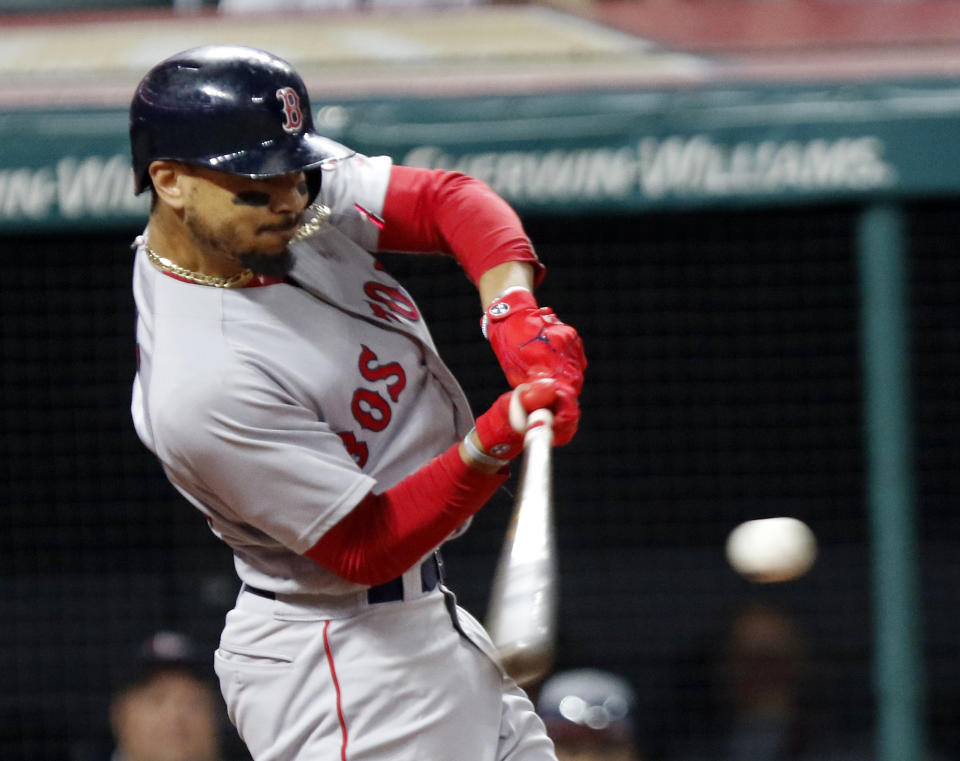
x: 384, y: 535
x: 434, y: 211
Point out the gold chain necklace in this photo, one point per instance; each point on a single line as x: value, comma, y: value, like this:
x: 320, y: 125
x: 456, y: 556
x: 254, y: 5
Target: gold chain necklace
x: 163, y: 264
x: 316, y: 217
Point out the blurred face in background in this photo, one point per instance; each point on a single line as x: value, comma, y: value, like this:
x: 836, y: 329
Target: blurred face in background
x: 170, y: 717
x: 765, y: 663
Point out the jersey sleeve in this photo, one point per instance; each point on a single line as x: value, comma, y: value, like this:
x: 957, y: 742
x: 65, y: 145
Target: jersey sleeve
x: 354, y: 189
x: 257, y: 457
x: 436, y: 211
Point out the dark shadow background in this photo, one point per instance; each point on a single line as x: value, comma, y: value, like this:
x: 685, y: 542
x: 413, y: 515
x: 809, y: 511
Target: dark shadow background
x: 724, y: 385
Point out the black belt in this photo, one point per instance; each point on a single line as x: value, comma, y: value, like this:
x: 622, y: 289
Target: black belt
x: 431, y: 574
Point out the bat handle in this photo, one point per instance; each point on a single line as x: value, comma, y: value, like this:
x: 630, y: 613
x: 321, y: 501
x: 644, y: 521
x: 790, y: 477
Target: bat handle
x: 539, y: 425
x: 524, y: 423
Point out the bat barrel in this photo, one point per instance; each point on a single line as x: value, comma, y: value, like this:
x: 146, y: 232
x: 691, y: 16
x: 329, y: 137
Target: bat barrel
x: 523, y: 603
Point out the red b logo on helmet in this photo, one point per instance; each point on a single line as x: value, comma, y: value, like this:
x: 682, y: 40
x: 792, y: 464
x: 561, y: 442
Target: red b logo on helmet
x: 292, y: 115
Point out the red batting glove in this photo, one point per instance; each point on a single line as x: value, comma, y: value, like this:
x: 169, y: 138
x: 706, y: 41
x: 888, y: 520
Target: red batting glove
x: 497, y: 435
x: 566, y: 414
x: 531, y: 342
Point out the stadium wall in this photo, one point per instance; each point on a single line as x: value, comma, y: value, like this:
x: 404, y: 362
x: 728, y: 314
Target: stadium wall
x: 711, y: 246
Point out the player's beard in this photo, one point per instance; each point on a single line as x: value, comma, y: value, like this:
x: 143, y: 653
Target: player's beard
x: 274, y: 265
x: 223, y: 241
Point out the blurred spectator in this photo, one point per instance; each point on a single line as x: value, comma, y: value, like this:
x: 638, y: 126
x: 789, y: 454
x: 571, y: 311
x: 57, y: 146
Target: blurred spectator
x: 756, y: 706
x: 590, y: 716
x: 165, y: 707
x: 761, y: 673
x: 754, y: 698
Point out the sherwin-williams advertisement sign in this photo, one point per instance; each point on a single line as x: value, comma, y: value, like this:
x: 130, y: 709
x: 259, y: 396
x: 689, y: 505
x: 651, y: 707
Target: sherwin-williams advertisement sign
x: 680, y: 168
x: 66, y: 169
x: 556, y: 153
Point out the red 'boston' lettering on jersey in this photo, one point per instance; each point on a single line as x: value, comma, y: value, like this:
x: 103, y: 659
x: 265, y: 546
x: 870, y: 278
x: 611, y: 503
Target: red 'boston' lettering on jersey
x: 369, y: 407
x: 392, y: 298
x: 358, y: 449
x: 383, y: 314
x: 372, y: 371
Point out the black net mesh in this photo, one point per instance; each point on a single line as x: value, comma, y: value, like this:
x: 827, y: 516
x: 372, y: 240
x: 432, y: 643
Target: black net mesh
x: 724, y: 384
x: 97, y: 550
x: 935, y: 315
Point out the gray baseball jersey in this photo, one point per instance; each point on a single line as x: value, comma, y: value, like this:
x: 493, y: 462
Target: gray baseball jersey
x: 274, y: 410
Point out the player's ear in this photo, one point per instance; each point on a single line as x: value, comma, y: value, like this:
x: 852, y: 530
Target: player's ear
x: 166, y: 178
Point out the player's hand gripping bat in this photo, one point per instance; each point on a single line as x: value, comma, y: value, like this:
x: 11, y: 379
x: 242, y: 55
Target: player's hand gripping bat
x: 521, y: 617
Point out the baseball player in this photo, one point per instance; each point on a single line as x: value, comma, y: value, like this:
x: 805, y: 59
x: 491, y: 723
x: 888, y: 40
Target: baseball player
x: 290, y: 389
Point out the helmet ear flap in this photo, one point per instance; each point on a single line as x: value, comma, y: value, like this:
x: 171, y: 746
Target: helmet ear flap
x: 314, y: 180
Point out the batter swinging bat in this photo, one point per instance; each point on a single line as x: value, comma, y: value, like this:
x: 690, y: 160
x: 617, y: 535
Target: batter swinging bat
x: 521, y: 617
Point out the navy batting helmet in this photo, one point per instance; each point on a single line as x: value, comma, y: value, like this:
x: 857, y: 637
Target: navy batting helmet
x: 235, y: 109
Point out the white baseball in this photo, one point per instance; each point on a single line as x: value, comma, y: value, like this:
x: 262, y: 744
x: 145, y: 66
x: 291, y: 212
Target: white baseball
x: 771, y: 549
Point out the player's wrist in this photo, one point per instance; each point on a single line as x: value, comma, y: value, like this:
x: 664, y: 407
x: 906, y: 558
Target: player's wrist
x: 499, y: 432
x: 508, y: 302
x: 476, y: 457
x: 493, y: 432
x: 512, y: 289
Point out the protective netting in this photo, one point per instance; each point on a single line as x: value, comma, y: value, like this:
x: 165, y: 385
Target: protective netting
x: 724, y: 384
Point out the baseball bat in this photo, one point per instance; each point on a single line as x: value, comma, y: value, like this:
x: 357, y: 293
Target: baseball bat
x: 521, y: 616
